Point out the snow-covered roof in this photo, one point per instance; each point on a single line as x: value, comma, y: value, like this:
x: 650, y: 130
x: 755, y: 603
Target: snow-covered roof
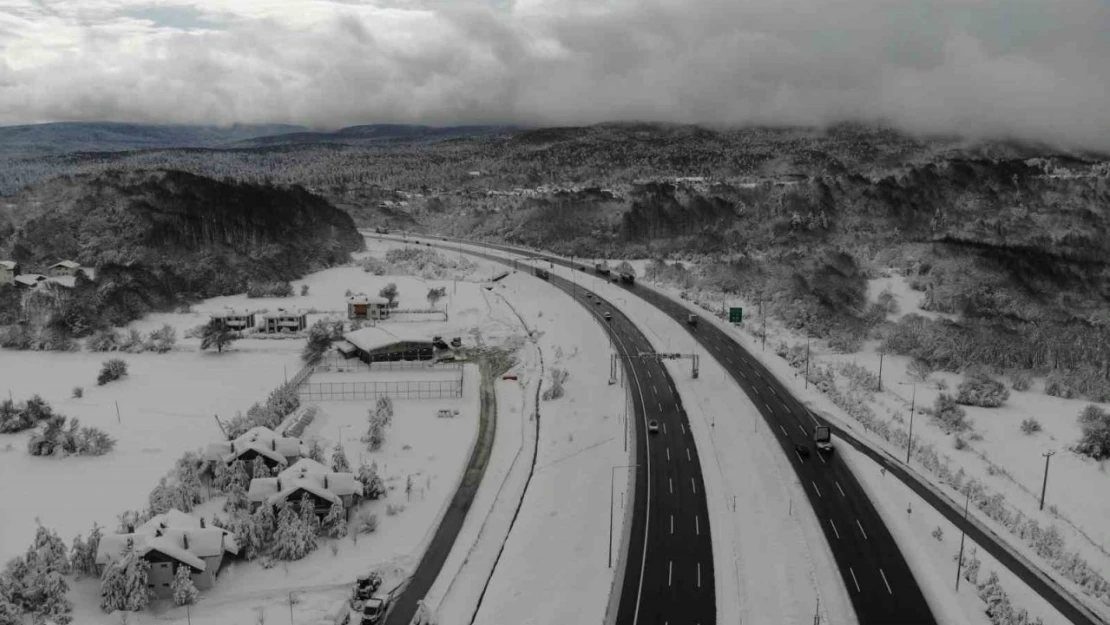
x: 66, y: 281
x: 281, y: 313
x: 230, y: 312
x: 68, y: 264
x: 369, y: 339
x: 344, y: 347
x: 30, y: 279
x: 304, y: 474
x: 367, y: 299
x: 262, y: 440
x: 174, y: 534
x: 8, y: 264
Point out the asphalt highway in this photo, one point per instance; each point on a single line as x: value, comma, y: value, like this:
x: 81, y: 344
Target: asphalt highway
x: 879, y: 581
x: 669, y: 573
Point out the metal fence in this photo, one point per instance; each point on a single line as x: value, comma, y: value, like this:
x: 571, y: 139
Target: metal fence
x: 402, y: 389
x: 334, y: 362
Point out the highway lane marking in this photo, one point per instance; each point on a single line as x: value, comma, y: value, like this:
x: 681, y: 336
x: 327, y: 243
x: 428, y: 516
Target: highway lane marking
x: 856, y: 581
x: 660, y: 406
x: 743, y: 375
x: 861, y: 529
x: 670, y: 483
x: 688, y: 455
x: 683, y: 428
x: 670, y: 571
x: 649, y: 374
x: 668, y: 454
x: 815, y: 421
x: 672, y: 524
x: 664, y: 428
x: 693, y: 485
x: 815, y: 487
x: 798, y: 455
x: 834, y: 529
x: 804, y: 433
x: 841, y: 492
x: 699, y: 574
x: 773, y: 391
x: 768, y: 407
x: 654, y: 390
x: 823, y: 461
x: 783, y: 430
x: 889, y: 591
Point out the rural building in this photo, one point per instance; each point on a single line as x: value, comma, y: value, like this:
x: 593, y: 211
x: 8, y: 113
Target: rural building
x: 367, y: 307
x: 306, y: 476
x: 170, y: 541
x: 63, y: 268
x: 257, y: 442
x: 29, y: 280
x: 235, y: 319
x: 377, y: 344
x: 284, y: 321
x: 8, y: 271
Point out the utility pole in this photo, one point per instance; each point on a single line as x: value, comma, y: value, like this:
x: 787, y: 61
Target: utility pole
x: 1044, y: 486
x: 963, y: 534
x: 807, y: 361
x: 913, y: 403
x: 612, y: 479
x: 880, y: 371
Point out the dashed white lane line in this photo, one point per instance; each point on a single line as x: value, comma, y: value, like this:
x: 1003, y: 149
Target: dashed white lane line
x: 670, y: 571
x: 743, y: 375
x: 670, y: 483
x: 815, y: 421
x: 664, y: 428
x: 834, y: 529
x: 815, y: 487
x: 773, y: 391
x: 688, y: 455
x: 693, y: 485
x: 668, y: 454
x: 699, y: 575
x: 683, y: 428
x: 888, y: 590
x: 841, y: 492
x: 783, y: 430
x: 798, y: 455
x: 804, y: 433
x: 697, y: 526
x: 654, y: 390
x: 672, y: 524
x: 649, y: 373
x: 768, y: 407
x: 660, y: 406
x: 861, y: 529
x: 822, y: 458
x: 854, y: 580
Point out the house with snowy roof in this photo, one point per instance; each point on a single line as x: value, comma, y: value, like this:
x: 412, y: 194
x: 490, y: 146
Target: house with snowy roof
x: 376, y: 344
x: 168, y: 542
x: 63, y: 268
x: 9, y: 269
x: 363, y: 306
x: 275, y: 450
x: 323, y: 486
x: 29, y: 280
x: 234, y: 319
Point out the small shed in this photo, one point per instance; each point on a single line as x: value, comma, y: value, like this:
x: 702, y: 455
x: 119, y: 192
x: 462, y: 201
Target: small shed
x: 9, y: 269
x: 64, y: 268
x: 367, y: 307
x: 235, y: 319
x: 284, y: 321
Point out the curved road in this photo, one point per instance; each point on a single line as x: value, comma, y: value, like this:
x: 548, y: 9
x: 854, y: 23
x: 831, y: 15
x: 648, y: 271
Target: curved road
x: 879, y: 581
x: 669, y: 574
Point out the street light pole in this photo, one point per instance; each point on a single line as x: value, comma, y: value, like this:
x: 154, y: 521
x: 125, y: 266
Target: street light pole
x: 963, y: 534
x: 612, y: 479
x: 807, y: 360
x: 913, y: 403
x: 1044, y: 486
x: 880, y: 371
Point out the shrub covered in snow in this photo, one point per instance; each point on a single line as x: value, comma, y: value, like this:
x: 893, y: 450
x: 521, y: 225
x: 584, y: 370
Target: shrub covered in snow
x: 1095, y: 440
x: 161, y: 340
x: 294, y: 538
x: 23, y: 416
x: 321, y: 335
x: 123, y: 586
x: 1021, y: 380
x: 1057, y: 385
x: 111, y: 369
x: 280, y: 403
x: 1030, y: 426
x: 335, y: 524
x: 106, y: 340
x: 132, y: 342
x: 367, y: 522
x: 949, y: 414
x: 919, y: 369
x: 82, y: 555
x: 554, y: 388
x: 35, y: 583
x: 982, y: 390
x: 277, y: 288
x: 938, y: 533
x: 56, y: 438
x: 372, y: 485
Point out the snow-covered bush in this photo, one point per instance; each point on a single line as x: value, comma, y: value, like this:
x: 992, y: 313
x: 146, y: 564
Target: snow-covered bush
x: 304, y: 290
x: 374, y: 265
x: 367, y: 522
x: 293, y: 538
x: 78, y: 392
x: 161, y: 340
x: 859, y: 377
x: 82, y: 555
x: 938, y: 533
x: 372, y: 485
x: 1057, y: 385
x: 184, y: 592
x: 1030, y: 426
x: 111, y: 369
x: 132, y: 342
x: 123, y: 585
x: 949, y: 414
x: 56, y: 438
x: 107, y: 340
x: 339, y: 462
x: 277, y: 288
x: 1095, y: 440
x: 983, y: 391
x: 554, y: 388
x: 959, y: 442
x: 393, y: 509
x: 919, y: 369
x: 335, y: 524
x: 1021, y: 380
x: 18, y: 417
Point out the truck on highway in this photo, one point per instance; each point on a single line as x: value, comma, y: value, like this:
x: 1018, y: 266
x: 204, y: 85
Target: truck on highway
x: 692, y: 320
x: 822, y: 438
x: 627, y: 278
x: 602, y: 269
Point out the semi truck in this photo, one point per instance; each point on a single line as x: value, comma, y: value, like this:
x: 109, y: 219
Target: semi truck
x: 822, y: 438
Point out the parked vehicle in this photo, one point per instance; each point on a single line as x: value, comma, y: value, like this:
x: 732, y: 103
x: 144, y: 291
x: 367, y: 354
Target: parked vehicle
x: 627, y: 278
x: 447, y: 413
x: 603, y: 270
x: 542, y: 274
x: 367, y: 612
x: 822, y: 438
x: 456, y: 342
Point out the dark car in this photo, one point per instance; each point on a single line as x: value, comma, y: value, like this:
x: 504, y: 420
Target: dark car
x: 608, y: 316
x: 597, y: 301
x: 653, y: 426
x: 803, y: 450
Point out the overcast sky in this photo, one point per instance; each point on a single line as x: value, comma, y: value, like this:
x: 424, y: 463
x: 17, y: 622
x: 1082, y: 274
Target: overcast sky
x: 1034, y: 69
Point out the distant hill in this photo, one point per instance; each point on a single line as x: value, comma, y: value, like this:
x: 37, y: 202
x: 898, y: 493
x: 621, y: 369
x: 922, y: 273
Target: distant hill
x: 374, y: 134
x: 62, y: 137
x: 68, y: 137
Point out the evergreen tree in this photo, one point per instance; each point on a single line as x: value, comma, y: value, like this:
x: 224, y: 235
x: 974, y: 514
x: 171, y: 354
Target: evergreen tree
x: 266, y: 522
x: 308, y: 513
x: 137, y: 574
x: 217, y: 334
x: 372, y: 485
x: 384, y: 408
x: 339, y: 462
x: 292, y: 540
x: 315, y: 452
x: 161, y: 497
x: 83, y: 553
x: 240, y: 474
x: 48, y: 551
x: 221, y: 479
x: 260, y: 469
x: 184, y: 592
x: 236, y: 498
x: 51, y: 602
x: 335, y: 524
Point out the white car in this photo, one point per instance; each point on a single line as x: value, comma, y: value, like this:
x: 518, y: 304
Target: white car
x: 653, y: 426
x: 368, y: 612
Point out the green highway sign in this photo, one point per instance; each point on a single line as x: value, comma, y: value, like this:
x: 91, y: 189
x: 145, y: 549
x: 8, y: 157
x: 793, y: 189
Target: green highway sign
x: 735, y: 315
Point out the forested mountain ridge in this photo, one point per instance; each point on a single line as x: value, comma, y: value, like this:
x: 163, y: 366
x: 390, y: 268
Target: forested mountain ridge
x: 158, y: 238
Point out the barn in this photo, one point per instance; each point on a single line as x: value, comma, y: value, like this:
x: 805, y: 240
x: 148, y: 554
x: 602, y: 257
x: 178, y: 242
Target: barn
x: 378, y: 344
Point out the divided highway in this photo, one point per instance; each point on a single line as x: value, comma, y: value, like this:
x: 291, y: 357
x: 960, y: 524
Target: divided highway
x: 879, y: 581
x: 669, y: 573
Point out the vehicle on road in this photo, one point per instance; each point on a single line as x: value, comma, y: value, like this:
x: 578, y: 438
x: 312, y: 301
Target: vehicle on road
x: 367, y: 612
x: 692, y: 320
x: 653, y: 426
x: 802, y: 449
x: 597, y: 302
x: 627, y: 278
x: 822, y: 438
x: 599, y: 268
x: 608, y: 316
x: 381, y: 230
